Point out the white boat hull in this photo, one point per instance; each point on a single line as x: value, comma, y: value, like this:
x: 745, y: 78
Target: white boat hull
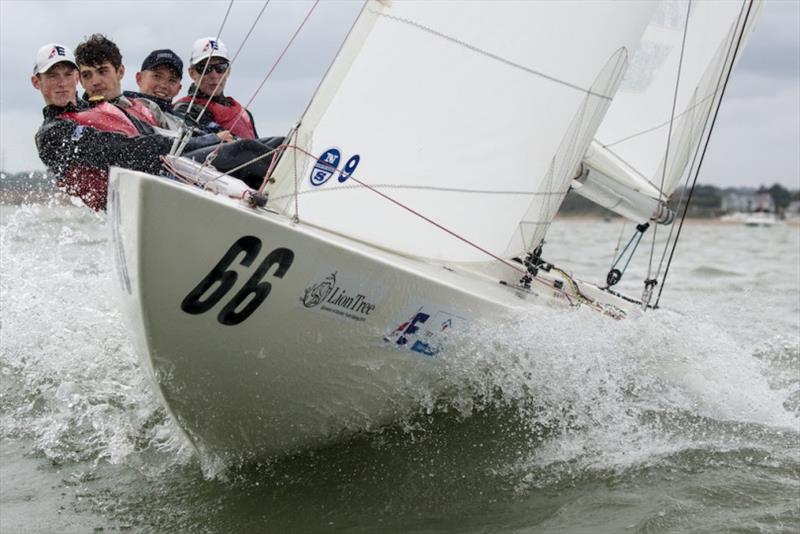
x: 265, y: 336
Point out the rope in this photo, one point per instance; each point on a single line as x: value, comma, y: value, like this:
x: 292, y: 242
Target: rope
x: 657, y: 126
x: 727, y: 77
x: 619, y: 242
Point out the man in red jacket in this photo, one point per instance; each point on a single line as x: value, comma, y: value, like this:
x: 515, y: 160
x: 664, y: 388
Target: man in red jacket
x: 210, y: 69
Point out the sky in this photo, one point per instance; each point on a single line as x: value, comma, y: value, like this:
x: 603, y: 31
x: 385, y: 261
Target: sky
x: 755, y: 141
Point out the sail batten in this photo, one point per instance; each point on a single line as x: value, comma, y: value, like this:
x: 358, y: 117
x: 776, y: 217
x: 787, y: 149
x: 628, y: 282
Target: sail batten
x: 476, y: 117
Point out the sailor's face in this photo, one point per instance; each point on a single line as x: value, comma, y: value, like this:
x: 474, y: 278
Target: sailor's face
x: 213, y: 83
x: 57, y: 85
x: 102, y: 80
x: 160, y: 81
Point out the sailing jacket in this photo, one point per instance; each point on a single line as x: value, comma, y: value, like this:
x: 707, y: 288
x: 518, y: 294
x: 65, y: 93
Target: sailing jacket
x: 79, y: 142
x: 223, y: 113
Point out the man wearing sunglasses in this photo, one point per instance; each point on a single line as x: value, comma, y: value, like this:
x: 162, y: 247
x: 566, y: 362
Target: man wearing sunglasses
x: 209, y: 69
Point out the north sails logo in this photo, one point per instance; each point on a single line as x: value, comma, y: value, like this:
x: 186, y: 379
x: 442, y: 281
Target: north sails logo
x: 331, y: 297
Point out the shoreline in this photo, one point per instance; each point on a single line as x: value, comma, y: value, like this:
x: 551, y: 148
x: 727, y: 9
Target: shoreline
x: 710, y: 221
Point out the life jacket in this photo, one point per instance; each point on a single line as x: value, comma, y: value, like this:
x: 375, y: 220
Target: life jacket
x: 140, y: 111
x: 90, y: 184
x: 233, y: 117
x: 104, y: 117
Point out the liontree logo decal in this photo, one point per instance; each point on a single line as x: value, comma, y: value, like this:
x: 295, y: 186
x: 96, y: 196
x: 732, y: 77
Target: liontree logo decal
x: 344, y: 300
x: 318, y: 292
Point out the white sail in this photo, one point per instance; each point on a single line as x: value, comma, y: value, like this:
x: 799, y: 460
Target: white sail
x: 474, y: 114
x: 631, y: 145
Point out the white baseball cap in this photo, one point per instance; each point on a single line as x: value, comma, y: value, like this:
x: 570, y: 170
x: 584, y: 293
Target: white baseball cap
x: 50, y: 54
x: 208, y: 47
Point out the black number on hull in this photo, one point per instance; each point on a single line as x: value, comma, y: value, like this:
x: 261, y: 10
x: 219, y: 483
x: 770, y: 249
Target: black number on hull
x: 282, y: 257
x: 197, y: 301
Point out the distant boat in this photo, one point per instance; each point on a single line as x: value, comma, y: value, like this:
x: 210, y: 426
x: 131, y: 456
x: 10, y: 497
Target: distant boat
x: 760, y: 218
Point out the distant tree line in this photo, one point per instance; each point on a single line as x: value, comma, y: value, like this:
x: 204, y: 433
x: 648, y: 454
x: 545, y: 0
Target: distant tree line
x: 706, y: 200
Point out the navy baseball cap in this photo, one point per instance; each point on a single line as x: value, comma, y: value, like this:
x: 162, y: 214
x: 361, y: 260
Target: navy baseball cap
x: 163, y: 57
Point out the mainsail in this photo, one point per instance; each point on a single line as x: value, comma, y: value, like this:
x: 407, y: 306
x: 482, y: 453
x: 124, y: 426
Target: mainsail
x: 475, y: 114
x: 634, y: 165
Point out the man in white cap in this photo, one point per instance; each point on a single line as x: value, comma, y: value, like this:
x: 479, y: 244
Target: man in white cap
x: 209, y: 68
x: 55, y: 75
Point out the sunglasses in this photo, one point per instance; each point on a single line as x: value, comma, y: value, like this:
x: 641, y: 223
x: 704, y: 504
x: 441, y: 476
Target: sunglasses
x: 219, y: 68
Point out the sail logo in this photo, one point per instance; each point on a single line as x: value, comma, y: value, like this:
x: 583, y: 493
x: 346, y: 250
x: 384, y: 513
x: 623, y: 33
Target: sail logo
x: 424, y: 332
x: 328, y: 165
x: 332, y: 297
x: 325, y: 167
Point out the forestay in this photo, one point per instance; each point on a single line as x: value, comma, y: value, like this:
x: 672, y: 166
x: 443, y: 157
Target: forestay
x: 475, y: 114
x: 633, y: 146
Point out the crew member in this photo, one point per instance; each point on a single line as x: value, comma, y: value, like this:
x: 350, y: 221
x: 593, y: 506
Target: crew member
x: 209, y: 69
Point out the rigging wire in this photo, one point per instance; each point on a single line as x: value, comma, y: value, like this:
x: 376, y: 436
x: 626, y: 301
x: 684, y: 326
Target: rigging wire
x: 619, y: 242
x: 181, y: 140
x: 238, y: 51
x: 211, y: 156
x: 277, y: 61
x: 694, y: 157
x: 727, y: 77
x: 214, y: 153
x: 585, y: 299
x: 651, y: 281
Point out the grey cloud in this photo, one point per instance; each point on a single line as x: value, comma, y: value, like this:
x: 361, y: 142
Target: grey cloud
x: 773, y: 50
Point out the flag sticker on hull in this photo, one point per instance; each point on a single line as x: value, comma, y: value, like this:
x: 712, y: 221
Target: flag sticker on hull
x: 425, y: 331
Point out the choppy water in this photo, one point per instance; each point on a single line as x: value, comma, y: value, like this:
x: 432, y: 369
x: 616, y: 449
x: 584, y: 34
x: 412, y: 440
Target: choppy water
x: 684, y: 421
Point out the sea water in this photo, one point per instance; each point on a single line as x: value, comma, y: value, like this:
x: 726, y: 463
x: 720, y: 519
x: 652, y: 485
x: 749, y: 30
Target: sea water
x: 562, y: 420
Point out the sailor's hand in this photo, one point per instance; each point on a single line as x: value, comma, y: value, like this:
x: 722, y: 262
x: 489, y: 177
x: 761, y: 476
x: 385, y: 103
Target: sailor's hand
x: 225, y: 136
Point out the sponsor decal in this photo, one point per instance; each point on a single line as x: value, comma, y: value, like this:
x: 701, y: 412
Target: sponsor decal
x: 325, y: 166
x: 425, y: 331
x: 328, y: 164
x: 211, y: 45
x: 332, y: 296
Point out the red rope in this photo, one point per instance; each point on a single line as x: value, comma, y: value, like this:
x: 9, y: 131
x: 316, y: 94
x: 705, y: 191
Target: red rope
x: 551, y: 285
x: 277, y: 61
x: 418, y: 214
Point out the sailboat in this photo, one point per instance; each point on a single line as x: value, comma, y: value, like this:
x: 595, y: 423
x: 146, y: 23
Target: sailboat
x: 410, y: 202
